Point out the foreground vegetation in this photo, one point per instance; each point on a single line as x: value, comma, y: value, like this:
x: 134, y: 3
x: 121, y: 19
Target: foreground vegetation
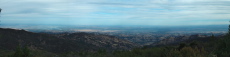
x: 215, y: 47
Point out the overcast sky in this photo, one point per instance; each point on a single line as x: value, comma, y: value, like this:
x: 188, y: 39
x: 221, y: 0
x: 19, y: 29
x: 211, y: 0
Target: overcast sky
x: 116, y: 12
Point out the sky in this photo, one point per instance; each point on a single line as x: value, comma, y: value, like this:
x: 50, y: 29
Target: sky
x: 116, y: 12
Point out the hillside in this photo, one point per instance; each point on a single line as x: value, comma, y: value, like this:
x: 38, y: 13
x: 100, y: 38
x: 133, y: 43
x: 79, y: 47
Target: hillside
x: 96, y: 45
x: 11, y: 38
x: 99, y: 40
x: 185, y: 39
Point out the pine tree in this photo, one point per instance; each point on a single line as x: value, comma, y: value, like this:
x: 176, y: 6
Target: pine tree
x: 26, y: 52
x: 212, y: 38
x: 18, y: 52
x: 228, y: 30
x: 21, y: 52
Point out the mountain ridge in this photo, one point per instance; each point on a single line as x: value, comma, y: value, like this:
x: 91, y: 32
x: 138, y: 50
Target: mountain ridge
x: 11, y: 38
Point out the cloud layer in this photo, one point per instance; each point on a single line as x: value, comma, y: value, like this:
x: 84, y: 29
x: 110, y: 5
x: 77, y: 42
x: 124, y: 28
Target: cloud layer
x: 116, y: 12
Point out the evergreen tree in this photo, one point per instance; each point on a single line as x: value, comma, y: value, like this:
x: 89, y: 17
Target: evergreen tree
x: 228, y: 30
x: 182, y: 45
x: 26, y: 52
x: 21, y: 52
x: 18, y: 52
x: 212, y: 38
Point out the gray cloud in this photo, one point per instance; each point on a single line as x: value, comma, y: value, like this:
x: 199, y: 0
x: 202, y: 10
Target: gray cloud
x: 120, y: 4
x: 135, y: 10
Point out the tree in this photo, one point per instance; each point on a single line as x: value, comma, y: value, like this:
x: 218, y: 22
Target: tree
x: 18, y: 52
x: 22, y: 52
x: 212, y: 38
x: 0, y: 10
x: 223, y: 49
x: 182, y: 45
x: 228, y: 30
x: 26, y: 52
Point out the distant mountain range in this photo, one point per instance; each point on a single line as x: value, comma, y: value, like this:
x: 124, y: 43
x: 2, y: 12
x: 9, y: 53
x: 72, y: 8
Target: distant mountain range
x: 64, y: 42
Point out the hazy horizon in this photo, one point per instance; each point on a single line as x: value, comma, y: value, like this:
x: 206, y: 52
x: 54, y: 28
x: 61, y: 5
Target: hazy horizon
x: 116, y: 12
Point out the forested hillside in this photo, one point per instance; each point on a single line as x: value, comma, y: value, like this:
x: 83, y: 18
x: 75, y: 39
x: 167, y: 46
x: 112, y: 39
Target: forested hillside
x: 21, y: 43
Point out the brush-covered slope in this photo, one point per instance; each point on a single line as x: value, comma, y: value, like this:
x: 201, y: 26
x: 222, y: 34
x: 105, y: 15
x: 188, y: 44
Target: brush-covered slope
x: 75, y: 42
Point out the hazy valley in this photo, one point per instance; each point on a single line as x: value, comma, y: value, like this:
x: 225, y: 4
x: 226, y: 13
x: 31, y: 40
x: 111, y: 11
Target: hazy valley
x: 141, y: 35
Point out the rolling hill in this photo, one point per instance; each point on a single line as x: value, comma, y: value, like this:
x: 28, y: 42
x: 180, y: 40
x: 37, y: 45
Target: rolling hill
x: 59, y: 43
